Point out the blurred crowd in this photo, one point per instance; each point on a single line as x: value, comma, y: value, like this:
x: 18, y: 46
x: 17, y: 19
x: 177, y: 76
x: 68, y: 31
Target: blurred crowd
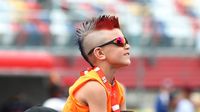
x: 171, y: 99
x: 145, y: 22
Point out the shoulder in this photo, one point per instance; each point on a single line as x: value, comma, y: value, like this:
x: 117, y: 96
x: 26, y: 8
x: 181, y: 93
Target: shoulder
x: 121, y: 87
x: 91, y: 90
x: 92, y: 87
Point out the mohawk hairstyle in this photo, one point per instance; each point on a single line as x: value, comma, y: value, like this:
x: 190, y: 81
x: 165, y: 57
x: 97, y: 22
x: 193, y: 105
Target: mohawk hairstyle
x: 104, y: 22
x: 107, y: 22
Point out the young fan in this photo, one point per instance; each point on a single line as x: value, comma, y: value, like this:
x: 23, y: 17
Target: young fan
x: 103, y: 45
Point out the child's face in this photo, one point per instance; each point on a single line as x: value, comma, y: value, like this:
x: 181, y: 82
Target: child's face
x: 116, y: 56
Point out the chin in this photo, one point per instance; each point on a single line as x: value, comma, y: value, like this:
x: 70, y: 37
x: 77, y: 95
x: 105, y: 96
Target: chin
x: 127, y: 62
x: 124, y: 64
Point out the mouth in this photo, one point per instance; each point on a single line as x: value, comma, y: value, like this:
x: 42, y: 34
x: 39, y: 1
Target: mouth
x: 127, y: 54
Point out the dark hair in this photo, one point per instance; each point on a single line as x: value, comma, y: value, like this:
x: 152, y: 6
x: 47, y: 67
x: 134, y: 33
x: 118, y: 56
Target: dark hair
x: 102, y: 22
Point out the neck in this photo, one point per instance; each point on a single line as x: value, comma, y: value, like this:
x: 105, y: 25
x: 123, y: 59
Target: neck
x: 108, y: 72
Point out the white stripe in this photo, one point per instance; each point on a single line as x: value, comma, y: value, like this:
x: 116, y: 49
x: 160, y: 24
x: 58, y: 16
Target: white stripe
x: 104, y: 79
x: 115, y: 107
x: 85, y: 72
x: 97, y: 69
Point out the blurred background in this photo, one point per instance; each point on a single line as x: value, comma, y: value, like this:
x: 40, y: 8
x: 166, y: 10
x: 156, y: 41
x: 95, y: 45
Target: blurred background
x: 39, y: 59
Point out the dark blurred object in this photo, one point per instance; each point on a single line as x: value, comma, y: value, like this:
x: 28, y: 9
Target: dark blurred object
x: 40, y: 109
x: 15, y: 104
x: 57, y: 98
x: 56, y: 91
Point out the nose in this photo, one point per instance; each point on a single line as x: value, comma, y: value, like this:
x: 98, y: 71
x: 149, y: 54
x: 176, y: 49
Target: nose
x: 127, y: 46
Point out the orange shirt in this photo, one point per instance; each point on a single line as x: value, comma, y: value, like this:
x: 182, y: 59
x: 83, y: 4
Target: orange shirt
x: 72, y: 105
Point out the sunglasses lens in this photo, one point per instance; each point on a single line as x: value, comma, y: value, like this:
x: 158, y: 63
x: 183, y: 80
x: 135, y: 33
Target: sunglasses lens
x: 120, y: 41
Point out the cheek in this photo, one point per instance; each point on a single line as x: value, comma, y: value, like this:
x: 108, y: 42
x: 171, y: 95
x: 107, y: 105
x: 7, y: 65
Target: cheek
x: 113, y: 54
x: 117, y: 58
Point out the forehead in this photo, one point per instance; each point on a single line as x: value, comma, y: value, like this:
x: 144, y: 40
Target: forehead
x: 110, y: 34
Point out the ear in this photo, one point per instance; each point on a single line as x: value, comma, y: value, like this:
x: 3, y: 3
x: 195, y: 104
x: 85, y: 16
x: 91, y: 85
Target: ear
x: 99, y: 54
